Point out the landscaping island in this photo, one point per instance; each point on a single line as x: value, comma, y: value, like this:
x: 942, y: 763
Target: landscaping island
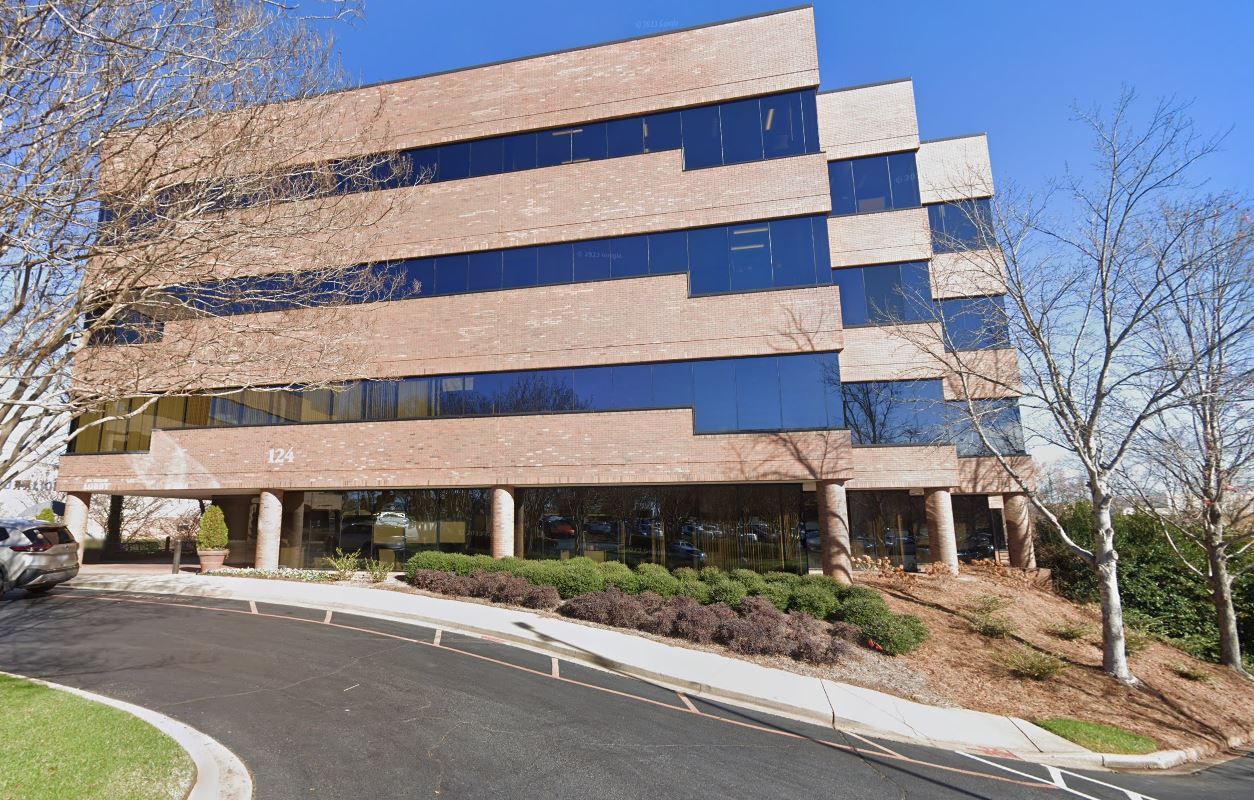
x: 71, y: 748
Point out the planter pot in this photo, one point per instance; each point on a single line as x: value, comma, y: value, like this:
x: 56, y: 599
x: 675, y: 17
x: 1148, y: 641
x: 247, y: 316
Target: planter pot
x: 211, y: 559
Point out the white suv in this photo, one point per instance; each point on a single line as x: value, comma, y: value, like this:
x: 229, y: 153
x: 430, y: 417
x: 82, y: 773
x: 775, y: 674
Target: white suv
x: 35, y: 555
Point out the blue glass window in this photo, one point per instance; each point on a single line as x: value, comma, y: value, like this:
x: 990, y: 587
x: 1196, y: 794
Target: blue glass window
x: 520, y: 152
x: 625, y: 137
x: 758, y: 394
x: 840, y: 179
x: 629, y: 256
x: 783, y: 129
x: 871, y: 184
x: 419, y: 277
x: 588, y: 143
x: 487, y: 157
x: 742, y: 131
x: 885, y: 294
x: 750, y: 256
x: 594, y: 260
x: 662, y: 132
x: 714, y: 396
x: 703, y: 145
x: 485, y: 271
x: 709, y: 271
x: 801, y: 406
x: 810, y: 119
x: 895, y: 412
x: 451, y: 274
x: 520, y: 269
x: 792, y: 253
x: 556, y: 264
x: 875, y: 183
x: 853, y: 308
x: 975, y: 323
x: 961, y: 225
x: 633, y: 386
x: 668, y: 252
x: 905, y: 180
x: 553, y: 147
x: 594, y: 386
x: 672, y: 385
x: 454, y: 161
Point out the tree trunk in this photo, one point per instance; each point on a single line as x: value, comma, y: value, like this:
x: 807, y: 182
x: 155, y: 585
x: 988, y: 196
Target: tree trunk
x: 1221, y: 596
x: 1114, y: 648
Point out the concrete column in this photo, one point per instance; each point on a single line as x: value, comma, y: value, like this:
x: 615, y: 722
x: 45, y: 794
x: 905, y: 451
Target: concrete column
x: 113, y: 528
x: 1019, y: 531
x: 269, y: 528
x: 294, y: 529
x: 502, y: 521
x: 940, y: 528
x: 75, y: 518
x: 834, y: 530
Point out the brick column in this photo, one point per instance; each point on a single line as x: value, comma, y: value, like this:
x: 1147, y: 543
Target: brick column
x: 502, y: 521
x: 294, y: 528
x: 75, y: 518
x: 269, y: 528
x: 834, y: 530
x: 940, y: 528
x: 1019, y: 531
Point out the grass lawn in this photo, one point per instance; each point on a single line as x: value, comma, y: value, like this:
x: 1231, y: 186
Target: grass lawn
x: 1098, y: 737
x: 65, y: 747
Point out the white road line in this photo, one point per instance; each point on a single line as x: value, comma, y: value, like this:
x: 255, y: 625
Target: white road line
x: 687, y: 702
x: 1027, y: 775
x: 1131, y: 794
x: 326, y: 620
x: 1055, y: 775
x: 354, y: 686
x: 436, y: 640
x: 252, y: 606
x: 873, y: 743
x: 556, y: 672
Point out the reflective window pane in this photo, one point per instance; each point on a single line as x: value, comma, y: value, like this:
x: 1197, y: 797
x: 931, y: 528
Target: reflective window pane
x: 853, y: 305
x: 633, y: 386
x: 871, y: 184
x: 594, y: 388
x: 553, y: 147
x: 757, y: 394
x: 593, y: 259
x: 418, y: 277
x: 519, y: 152
x: 381, y: 399
x: 905, y: 180
x: 484, y: 271
x: 977, y: 323
x: 487, y: 157
x: 629, y: 256
x: 714, y: 396
x: 810, y: 118
x: 782, y: 126
x: 662, y: 132
x: 709, y: 270
x: 802, y: 393
x: 346, y: 403
x: 883, y: 293
x: 742, y: 132
x: 750, y: 257
x: 454, y: 161
x: 702, y: 138
x: 822, y: 251
x: 556, y: 264
x: 792, y: 252
x: 413, y: 399
x: 588, y: 143
x: 520, y: 268
x: 451, y: 273
x: 840, y: 178
x: 672, y: 385
x: 625, y: 137
x: 916, y: 291
x: 668, y: 252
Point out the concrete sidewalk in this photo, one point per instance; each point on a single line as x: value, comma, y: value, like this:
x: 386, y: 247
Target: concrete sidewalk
x: 695, y: 672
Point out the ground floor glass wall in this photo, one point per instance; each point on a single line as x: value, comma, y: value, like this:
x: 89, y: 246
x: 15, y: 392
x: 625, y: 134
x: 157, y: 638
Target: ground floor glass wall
x: 892, y: 524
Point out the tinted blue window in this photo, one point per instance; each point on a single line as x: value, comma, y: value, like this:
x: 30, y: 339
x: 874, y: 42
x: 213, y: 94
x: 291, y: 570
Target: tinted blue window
x: 520, y: 152
x: 822, y: 251
x: 624, y: 137
x: 853, y: 307
x: 714, y: 396
x: 662, y: 132
x: 487, y: 157
x: 485, y: 271
x: 977, y: 323
x: 829, y: 364
x: 633, y: 386
x: 553, y: 148
x: 593, y: 259
x: 454, y: 161
x: 905, y: 179
x: 810, y: 116
x: 702, y: 138
x: 757, y: 394
x: 668, y: 252
x: 792, y: 252
x: 519, y: 270
x: 594, y: 386
x: 544, y: 391
x: 556, y: 262
x: 419, y: 277
x: 840, y: 178
x: 803, y: 395
x: 629, y: 256
x: 893, y: 412
x: 750, y: 257
x: 916, y: 290
x: 223, y: 411
x: 883, y: 293
x: 450, y: 396
x: 424, y: 165
x: 783, y: 131
x: 707, y: 250
x: 871, y: 184
x: 959, y: 226
x: 480, y: 392
x: 588, y: 143
x: 672, y: 385
x: 742, y: 132
x: 450, y: 274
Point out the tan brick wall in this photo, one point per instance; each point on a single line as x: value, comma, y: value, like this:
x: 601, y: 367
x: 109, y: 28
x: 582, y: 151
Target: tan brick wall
x: 880, y: 353
x: 625, y: 447
x: 880, y: 238
x: 954, y: 169
x: 750, y: 57
x: 969, y: 273
x: 904, y: 467
x: 986, y: 475
x: 868, y: 120
x: 601, y: 322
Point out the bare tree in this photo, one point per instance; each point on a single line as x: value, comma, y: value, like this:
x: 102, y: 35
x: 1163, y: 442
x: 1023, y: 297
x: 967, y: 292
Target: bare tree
x: 1087, y: 273
x: 1197, y: 457
x: 160, y: 229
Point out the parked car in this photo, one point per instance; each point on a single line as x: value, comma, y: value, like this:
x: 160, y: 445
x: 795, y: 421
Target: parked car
x: 35, y: 555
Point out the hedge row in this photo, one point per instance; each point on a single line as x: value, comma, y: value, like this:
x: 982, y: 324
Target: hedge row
x: 815, y: 596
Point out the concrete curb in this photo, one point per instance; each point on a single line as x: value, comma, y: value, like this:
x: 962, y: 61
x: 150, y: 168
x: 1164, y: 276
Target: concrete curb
x: 702, y: 674
x: 220, y: 775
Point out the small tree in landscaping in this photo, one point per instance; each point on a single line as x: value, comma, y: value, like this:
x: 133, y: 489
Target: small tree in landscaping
x: 213, y: 533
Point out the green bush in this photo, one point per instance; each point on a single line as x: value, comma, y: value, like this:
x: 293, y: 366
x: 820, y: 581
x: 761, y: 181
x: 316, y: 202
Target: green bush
x: 695, y: 588
x: 752, y: 581
x: 711, y: 573
x: 344, y: 564
x: 725, y: 590
x: 429, y: 559
x: 571, y: 578
x: 790, y: 579
x: 213, y: 533
x: 839, y: 591
x: 657, y: 579
x: 620, y: 576
x: 816, y: 601
x: 1024, y: 662
x: 686, y: 572
x: 780, y: 594
x: 46, y: 515
x: 892, y: 633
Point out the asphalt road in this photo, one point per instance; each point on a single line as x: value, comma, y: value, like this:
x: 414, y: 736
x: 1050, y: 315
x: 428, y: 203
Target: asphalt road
x: 352, y: 707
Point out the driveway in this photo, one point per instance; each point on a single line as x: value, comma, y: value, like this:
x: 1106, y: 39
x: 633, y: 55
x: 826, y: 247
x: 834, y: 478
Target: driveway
x: 322, y: 705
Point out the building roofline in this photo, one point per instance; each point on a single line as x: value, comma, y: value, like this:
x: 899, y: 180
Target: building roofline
x: 575, y: 49
x: 865, y: 85
x: 951, y: 138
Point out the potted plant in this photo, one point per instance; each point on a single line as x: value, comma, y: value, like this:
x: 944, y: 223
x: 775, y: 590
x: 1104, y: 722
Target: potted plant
x: 211, y: 539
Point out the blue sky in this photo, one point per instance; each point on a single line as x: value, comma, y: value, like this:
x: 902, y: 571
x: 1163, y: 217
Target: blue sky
x: 1011, y: 68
